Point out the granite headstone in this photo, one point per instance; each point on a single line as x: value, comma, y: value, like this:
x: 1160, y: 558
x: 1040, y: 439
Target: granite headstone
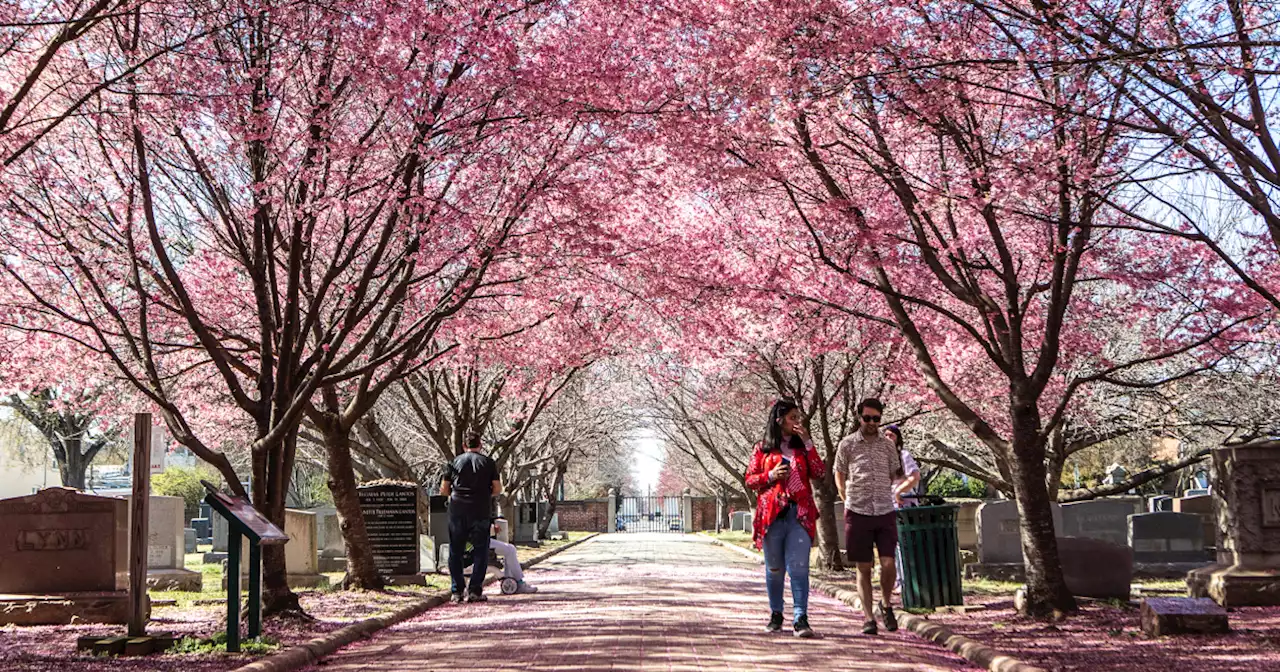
x: 391, y: 518
x: 1103, y: 519
x: 999, y: 535
x: 1167, y: 536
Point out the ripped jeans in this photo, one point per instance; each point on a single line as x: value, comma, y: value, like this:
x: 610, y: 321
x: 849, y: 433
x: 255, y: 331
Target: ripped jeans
x: 786, y: 548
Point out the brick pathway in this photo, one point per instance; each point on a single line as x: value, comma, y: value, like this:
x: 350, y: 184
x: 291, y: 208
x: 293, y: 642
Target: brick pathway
x: 638, y: 602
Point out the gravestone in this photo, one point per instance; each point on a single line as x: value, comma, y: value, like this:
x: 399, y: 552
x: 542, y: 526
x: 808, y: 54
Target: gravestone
x: 1096, y: 568
x: 189, y: 540
x: 999, y: 537
x: 332, y: 549
x: 967, y: 524
x: 301, y: 564
x: 63, y: 557
x: 1200, y: 505
x: 1163, y: 616
x: 300, y: 558
x: 1246, y: 492
x: 204, y: 530
x: 391, y: 519
x: 1103, y: 519
x: 166, y: 548
x: 1160, y: 503
x: 738, y: 520
x: 219, y: 534
x: 1167, y: 537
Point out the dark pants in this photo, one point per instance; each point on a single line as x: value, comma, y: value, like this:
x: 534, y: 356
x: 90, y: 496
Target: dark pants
x: 464, y: 528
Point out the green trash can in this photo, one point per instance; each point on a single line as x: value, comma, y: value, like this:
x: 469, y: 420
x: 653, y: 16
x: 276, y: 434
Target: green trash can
x: 929, y: 546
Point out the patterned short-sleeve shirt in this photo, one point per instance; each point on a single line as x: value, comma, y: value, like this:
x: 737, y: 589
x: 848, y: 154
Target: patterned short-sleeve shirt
x: 868, y: 464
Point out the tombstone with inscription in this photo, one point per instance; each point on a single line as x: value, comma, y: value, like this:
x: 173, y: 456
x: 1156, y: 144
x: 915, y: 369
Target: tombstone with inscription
x: 166, y: 550
x: 1246, y: 491
x: 999, y: 535
x: 63, y: 558
x: 391, y: 518
x: 1167, y: 537
x: 1103, y: 519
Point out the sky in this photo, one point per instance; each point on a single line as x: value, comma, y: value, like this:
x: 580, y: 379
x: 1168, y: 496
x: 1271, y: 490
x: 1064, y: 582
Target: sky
x: 648, y: 458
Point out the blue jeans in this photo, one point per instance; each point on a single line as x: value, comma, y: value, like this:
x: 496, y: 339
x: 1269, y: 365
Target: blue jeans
x: 786, y: 546
x: 464, y: 528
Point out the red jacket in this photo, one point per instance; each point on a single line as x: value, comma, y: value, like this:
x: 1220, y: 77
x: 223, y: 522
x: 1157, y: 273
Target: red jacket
x: 772, y: 498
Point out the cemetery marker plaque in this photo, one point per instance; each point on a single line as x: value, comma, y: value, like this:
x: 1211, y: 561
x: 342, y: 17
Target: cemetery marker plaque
x: 391, y: 518
x: 242, y: 518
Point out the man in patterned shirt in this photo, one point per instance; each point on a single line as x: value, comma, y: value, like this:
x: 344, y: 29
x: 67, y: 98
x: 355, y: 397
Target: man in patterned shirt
x: 866, y: 463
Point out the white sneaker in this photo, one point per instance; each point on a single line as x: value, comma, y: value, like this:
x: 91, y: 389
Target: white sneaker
x: 524, y: 588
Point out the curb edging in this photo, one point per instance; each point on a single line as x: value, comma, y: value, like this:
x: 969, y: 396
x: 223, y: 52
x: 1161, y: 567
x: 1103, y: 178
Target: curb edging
x: 971, y: 650
x: 301, y: 655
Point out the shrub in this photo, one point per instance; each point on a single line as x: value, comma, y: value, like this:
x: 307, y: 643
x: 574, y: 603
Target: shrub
x: 184, y: 482
x: 950, y: 484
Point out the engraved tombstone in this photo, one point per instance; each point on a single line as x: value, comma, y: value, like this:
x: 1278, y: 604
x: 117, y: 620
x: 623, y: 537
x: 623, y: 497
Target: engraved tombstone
x: 166, y: 548
x: 999, y: 535
x: 1166, y: 536
x: 63, y: 556
x: 1103, y: 519
x: 391, y: 518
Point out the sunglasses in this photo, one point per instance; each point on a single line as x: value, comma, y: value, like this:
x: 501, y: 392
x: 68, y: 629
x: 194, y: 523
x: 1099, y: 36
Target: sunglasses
x: 871, y: 418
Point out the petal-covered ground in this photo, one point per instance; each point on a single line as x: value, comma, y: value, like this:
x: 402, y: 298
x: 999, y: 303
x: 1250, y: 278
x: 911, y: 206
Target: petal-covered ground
x: 1107, y: 637
x: 639, y: 602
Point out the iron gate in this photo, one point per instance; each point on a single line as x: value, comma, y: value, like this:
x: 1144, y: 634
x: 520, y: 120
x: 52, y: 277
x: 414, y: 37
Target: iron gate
x: 649, y: 514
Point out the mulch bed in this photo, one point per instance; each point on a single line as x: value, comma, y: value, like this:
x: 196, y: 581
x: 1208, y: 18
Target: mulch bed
x: 52, y: 648
x: 1106, y: 637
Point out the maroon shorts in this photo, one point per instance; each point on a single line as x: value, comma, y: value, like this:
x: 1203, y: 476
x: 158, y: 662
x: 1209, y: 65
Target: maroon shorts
x: 861, y: 533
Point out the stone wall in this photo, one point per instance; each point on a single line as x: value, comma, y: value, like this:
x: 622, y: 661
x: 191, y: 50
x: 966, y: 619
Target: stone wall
x: 584, y: 515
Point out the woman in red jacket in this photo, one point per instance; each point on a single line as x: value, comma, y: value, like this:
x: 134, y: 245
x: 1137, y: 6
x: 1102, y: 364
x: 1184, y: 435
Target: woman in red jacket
x: 786, y: 518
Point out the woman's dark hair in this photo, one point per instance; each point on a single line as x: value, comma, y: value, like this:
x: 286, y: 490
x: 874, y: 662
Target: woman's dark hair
x: 897, y: 435
x: 473, y: 439
x: 773, y: 430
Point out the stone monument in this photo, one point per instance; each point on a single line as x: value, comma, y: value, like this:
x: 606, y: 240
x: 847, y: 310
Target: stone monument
x: 63, y: 558
x: 391, y: 520
x: 1246, y: 493
x: 1103, y: 519
x: 166, y: 548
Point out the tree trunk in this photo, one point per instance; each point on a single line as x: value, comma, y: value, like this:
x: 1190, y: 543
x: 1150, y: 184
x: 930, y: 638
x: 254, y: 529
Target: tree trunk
x: 827, y: 496
x: 73, y: 468
x: 268, y: 498
x: 1046, y: 591
x: 362, y: 570
x: 544, y: 523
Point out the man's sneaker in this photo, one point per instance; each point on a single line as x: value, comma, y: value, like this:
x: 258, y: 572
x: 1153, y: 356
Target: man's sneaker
x: 476, y: 597
x: 455, y: 598
x: 890, y: 621
x: 802, y: 629
x: 775, y: 622
x: 523, y: 588
x: 869, y: 628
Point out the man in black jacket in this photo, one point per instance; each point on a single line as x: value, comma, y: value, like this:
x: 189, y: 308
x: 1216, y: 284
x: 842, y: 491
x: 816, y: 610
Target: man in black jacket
x: 470, y: 482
